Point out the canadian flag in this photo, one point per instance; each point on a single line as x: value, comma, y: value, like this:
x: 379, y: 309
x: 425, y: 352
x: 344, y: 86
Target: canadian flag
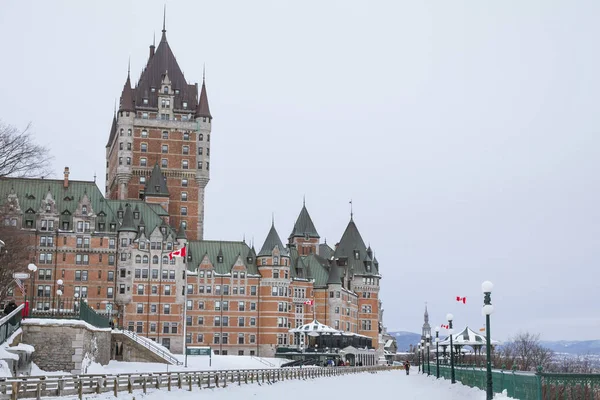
x: 309, y: 302
x: 463, y: 299
x: 445, y: 326
x: 177, y: 253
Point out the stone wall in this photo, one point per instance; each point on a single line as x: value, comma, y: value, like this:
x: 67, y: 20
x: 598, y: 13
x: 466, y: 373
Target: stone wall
x: 67, y: 345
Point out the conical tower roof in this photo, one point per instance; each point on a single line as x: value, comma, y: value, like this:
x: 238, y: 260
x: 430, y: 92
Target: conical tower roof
x: 181, y: 232
x: 203, y: 110
x: 271, y: 241
x: 113, y: 130
x: 352, y: 246
x: 304, y: 225
x: 157, y: 184
x: 127, y: 224
x: 126, y: 103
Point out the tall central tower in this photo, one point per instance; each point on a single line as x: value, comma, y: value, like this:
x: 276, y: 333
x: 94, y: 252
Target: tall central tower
x: 163, y: 121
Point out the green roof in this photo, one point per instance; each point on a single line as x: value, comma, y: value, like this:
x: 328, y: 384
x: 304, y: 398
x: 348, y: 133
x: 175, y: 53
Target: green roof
x: 229, y: 250
x: 32, y: 195
x: 127, y: 223
x: 350, y: 242
x: 147, y: 215
x: 304, y: 225
x: 318, y: 269
x: 156, y: 184
x: 271, y: 241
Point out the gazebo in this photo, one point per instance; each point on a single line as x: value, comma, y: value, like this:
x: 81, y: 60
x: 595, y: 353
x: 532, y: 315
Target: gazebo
x: 466, y: 337
x: 324, y: 336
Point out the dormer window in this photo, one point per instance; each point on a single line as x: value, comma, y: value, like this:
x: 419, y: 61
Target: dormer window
x: 185, y: 104
x: 356, y: 255
x: 176, y: 91
x: 84, y: 210
x: 136, y: 214
x: 119, y: 214
x: 184, y: 224
x: 113, y: 227
x: 166, y: 90
x: 145, y: 100
x: 141, y: 228
x: 48, y: 208
x: 219, y: 259
x: 153, y: 89
x: 249, y: 260
x: 157, y: 188
x: 163, y: 230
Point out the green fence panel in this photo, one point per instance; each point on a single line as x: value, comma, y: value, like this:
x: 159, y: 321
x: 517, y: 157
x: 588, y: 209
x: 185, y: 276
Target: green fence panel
x: 570, y: 386
x: 90, y: 316
x: 517, y: 385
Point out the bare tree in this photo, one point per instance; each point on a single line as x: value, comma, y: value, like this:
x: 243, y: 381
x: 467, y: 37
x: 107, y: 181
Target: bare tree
x: 14, y: 257
x: 573, y: 364
x: 525, y: 352
x: 20, y: 156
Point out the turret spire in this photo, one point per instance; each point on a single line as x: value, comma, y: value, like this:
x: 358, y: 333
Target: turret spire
x: 164, y: 30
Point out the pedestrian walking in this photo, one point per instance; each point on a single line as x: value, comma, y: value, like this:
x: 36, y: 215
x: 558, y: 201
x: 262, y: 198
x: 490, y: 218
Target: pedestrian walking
x: 407, y: 366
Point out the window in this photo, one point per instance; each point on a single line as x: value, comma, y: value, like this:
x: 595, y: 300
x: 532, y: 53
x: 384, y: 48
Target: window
x: 184, y: 196
x: 186, y: 136
x: 253, y: 290
x: 200, y: 137
x: 167, y: 290
x: 165, y: 134
x: 208, y: 151
x: 128, y: 160
x: 252, y: 340
x: 109, y: 292
x: 217, y: 321
x: 140, y: 308
x: 166, y: 90
x: 164, y: 163
x: 145, y: 100
x: 190, y: 289
x: 145, y: 134
x: 200, y: 305
x: 275, y: 271
x: 120, y: 160
x: 199, y: 164
x: 183, y: 210
x: 241, y: 321
x: 111, y: 276
x: 199, y: 151
x: 144, y: 147
x: 241, y: 340
x: 164, y: 149
x: 140, y: 289
x: 143, y: 162
x: 185, y: 164
x: 128, y: 146
x: 200, y: 338
x: 166, y: 309
x: 186, y: 150
x: 207, y: 166
x: 144, y: 115
x: 184, y: 182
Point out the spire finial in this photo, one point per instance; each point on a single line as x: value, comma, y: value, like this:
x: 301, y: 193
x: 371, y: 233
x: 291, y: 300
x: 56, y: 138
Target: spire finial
x: 351, y: 210
x: 244, y: 238
x: 273, y: 219
x: 304, y: 200
x: 153, y: 39
x: 94, y: 176
x: 164, y: 19
x: 203, y: 72
x: 128, y: 66
x: 115, y: 110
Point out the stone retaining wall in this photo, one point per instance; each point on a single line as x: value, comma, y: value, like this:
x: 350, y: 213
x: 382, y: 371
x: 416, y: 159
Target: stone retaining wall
x: 67, y: 345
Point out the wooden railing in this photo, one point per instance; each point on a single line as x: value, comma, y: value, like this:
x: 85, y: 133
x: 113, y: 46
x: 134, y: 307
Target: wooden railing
x: 80, y: 385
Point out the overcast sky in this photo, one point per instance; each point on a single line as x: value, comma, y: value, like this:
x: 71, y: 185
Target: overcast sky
x: 465, y: 132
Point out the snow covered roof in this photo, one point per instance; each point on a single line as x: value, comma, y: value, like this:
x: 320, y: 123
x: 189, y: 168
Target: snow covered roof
x: 466, y: 337
x: 314, y: 328
x: 388, y: 343
x: 27, y: 348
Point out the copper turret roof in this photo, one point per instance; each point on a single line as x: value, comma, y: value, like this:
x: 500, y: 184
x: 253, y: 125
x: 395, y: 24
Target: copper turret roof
x: 203, y: 110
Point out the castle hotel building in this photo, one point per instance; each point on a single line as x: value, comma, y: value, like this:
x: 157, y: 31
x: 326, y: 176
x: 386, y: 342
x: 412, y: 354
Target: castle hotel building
x: 112, y: 249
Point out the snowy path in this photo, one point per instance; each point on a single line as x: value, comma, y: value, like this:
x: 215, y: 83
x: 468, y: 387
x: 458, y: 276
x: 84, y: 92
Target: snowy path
x: 360, y: 386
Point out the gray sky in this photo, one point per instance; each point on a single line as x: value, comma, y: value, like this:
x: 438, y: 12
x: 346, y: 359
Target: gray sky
x: 466, y: 133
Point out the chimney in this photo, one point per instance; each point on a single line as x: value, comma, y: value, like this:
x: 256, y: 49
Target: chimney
x: 66, y: 181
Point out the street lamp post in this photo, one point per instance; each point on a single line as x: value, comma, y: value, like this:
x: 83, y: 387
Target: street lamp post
x: 488, y: 309
x: 419, y: 356
x: 450, y: 317
x: 437, y: 351
x: 423, y: 355
x: 33, y: 268
x: 428, y: 345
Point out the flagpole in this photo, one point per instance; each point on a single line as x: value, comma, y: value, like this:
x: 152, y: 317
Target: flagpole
x: 185, y: 304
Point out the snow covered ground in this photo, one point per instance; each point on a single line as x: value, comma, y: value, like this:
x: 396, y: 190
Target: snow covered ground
x: 360, y: 386
x: 195, y: 363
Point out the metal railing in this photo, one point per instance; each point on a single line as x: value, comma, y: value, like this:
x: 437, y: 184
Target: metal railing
x: 66, y: 308
x: 529, y: 385
x: 87, y: 314
x: 10, y: 323
x: 152, y: 346
x: 80, y: 385
x: 260, y: 360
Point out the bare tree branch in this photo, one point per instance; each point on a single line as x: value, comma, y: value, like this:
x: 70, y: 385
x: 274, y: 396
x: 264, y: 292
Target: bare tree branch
x: 14, y: 257
x: 20, y: 156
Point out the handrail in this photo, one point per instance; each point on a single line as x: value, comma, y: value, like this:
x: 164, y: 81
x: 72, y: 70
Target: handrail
x: 150, y: 345
x: 10, y: 323
x: 265, y: 362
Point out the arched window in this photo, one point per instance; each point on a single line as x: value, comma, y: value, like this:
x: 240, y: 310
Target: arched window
x: 121, y: 133
x: 165, y: 260
x: 145, y: 259
x: 200, y: 137
x: 138, y: 259
x: 84, y: 210
x: 154, y: 259
x: 172, y: 262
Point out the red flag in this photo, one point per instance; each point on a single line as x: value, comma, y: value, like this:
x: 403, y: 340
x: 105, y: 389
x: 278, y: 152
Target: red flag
x: 177, y: 253
x: 463, y: 299
x: 445, y: 326
x: 309, y: 302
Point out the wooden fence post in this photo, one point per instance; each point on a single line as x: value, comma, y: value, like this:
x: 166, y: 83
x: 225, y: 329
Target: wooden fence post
x: 190, y: 381
x: 80, y: 389
x: 179, y: 385
x: 129, y: 385
x: 225, y: 380
x: 98, y: 386
x: 116, y: 386
x: 144, y: 384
